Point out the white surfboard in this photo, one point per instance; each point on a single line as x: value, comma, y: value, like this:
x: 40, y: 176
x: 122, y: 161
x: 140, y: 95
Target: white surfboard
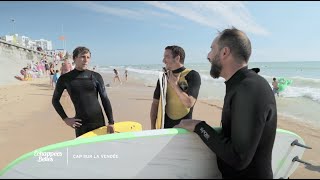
x: 163, y: 153
x: 162, y: 101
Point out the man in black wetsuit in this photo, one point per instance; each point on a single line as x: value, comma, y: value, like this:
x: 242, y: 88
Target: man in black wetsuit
x: 249, y: 117
x: 182, y: 90
x: 83, y: 87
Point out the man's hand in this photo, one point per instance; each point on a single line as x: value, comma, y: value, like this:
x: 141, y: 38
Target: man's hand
x: 188, y: 124
x: 173, y: 79
x: 110, y: 129
x: 73, y: 122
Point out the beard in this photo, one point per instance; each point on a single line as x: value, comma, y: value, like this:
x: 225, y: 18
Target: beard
x: 215, y: 67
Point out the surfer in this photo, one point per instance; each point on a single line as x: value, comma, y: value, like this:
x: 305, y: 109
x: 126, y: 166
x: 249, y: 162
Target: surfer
x: 182, y: 90
x: 83, y: 87
x: 249, y: 116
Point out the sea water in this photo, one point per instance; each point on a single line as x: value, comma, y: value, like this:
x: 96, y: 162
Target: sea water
x: 300, y: 100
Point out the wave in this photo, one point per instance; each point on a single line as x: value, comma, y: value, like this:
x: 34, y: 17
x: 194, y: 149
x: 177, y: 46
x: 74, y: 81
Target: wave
x: 143, y: 71
x: 306, y: 79
x: 306, y: 92
x: 301, y: 87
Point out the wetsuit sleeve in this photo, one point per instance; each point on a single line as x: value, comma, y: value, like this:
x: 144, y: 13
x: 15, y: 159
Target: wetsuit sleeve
x: 104, y: 98
x: 248, y: 120
x: 194, y: 82
x: 156, y: 94
x: 60, y: 86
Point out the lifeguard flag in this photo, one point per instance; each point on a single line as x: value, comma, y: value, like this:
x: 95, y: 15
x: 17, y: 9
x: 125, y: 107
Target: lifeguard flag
x: 62, y: 38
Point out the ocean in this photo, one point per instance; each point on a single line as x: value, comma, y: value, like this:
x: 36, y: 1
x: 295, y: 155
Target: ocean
x: 300, y: 101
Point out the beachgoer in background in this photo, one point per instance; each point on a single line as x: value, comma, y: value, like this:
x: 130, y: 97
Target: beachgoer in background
x: 116, y: 76
x: 275, y: 87
x: 55, y: 78
x: 65, y: 67
x: 52, y: 72
x: 47, y: 67
x: 126, y: 74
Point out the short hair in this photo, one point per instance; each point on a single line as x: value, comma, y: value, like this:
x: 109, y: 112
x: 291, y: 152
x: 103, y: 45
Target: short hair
x: 274, y: 79
x: 237, y: 41
x: 177, y: 51
x: 79, y: 51
x: 57, y: 71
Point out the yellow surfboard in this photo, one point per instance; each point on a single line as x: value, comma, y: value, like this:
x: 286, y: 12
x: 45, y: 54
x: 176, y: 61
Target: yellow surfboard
x: 162, y: 101
x: 125, y: 126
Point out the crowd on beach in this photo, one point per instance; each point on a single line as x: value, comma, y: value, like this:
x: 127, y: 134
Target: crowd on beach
x: 44, y: 68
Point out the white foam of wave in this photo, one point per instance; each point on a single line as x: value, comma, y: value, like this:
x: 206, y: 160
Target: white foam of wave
x: 105, y: 70
x: 307, y: 92
x: 143, y: 71
x: 117, y: 67
x: 207, y: 79
x: 109, y: 69
x: 298, y: 80
x: 156, y: 72
x: 314, y: 80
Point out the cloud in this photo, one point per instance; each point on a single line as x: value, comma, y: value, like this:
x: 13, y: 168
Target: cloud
x: 215, y: 14
x: 137, y: 14
x: 98, y: 7
x: 218, y: 15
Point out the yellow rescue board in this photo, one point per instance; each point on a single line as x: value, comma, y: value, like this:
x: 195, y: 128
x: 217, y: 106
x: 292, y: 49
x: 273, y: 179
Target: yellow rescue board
x: 125, y: 126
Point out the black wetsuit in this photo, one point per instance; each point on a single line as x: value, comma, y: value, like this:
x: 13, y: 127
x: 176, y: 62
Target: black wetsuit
x: 83, y: 88
x: 249, y: 122
x: 194, y: 81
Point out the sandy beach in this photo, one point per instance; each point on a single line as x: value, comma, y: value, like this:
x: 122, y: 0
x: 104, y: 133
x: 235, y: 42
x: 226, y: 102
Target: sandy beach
x: 29, y: 121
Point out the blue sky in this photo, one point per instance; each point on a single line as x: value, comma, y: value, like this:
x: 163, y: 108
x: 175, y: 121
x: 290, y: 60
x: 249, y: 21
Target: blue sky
x: 124, y: 33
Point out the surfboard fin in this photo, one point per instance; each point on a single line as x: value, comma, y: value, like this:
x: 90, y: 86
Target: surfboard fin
x: 300, y: 161
x: 296, y: 143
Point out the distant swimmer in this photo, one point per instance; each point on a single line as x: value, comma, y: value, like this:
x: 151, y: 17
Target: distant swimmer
x: 83, y: 87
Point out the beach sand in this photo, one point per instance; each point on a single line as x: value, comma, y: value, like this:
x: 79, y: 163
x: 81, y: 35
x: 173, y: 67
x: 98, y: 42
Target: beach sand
x: 28, y: 120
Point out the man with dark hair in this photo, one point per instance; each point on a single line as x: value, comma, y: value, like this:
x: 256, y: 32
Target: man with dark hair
x: 83, y: 87
x: 182, y: 91
x: 249, y: 117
